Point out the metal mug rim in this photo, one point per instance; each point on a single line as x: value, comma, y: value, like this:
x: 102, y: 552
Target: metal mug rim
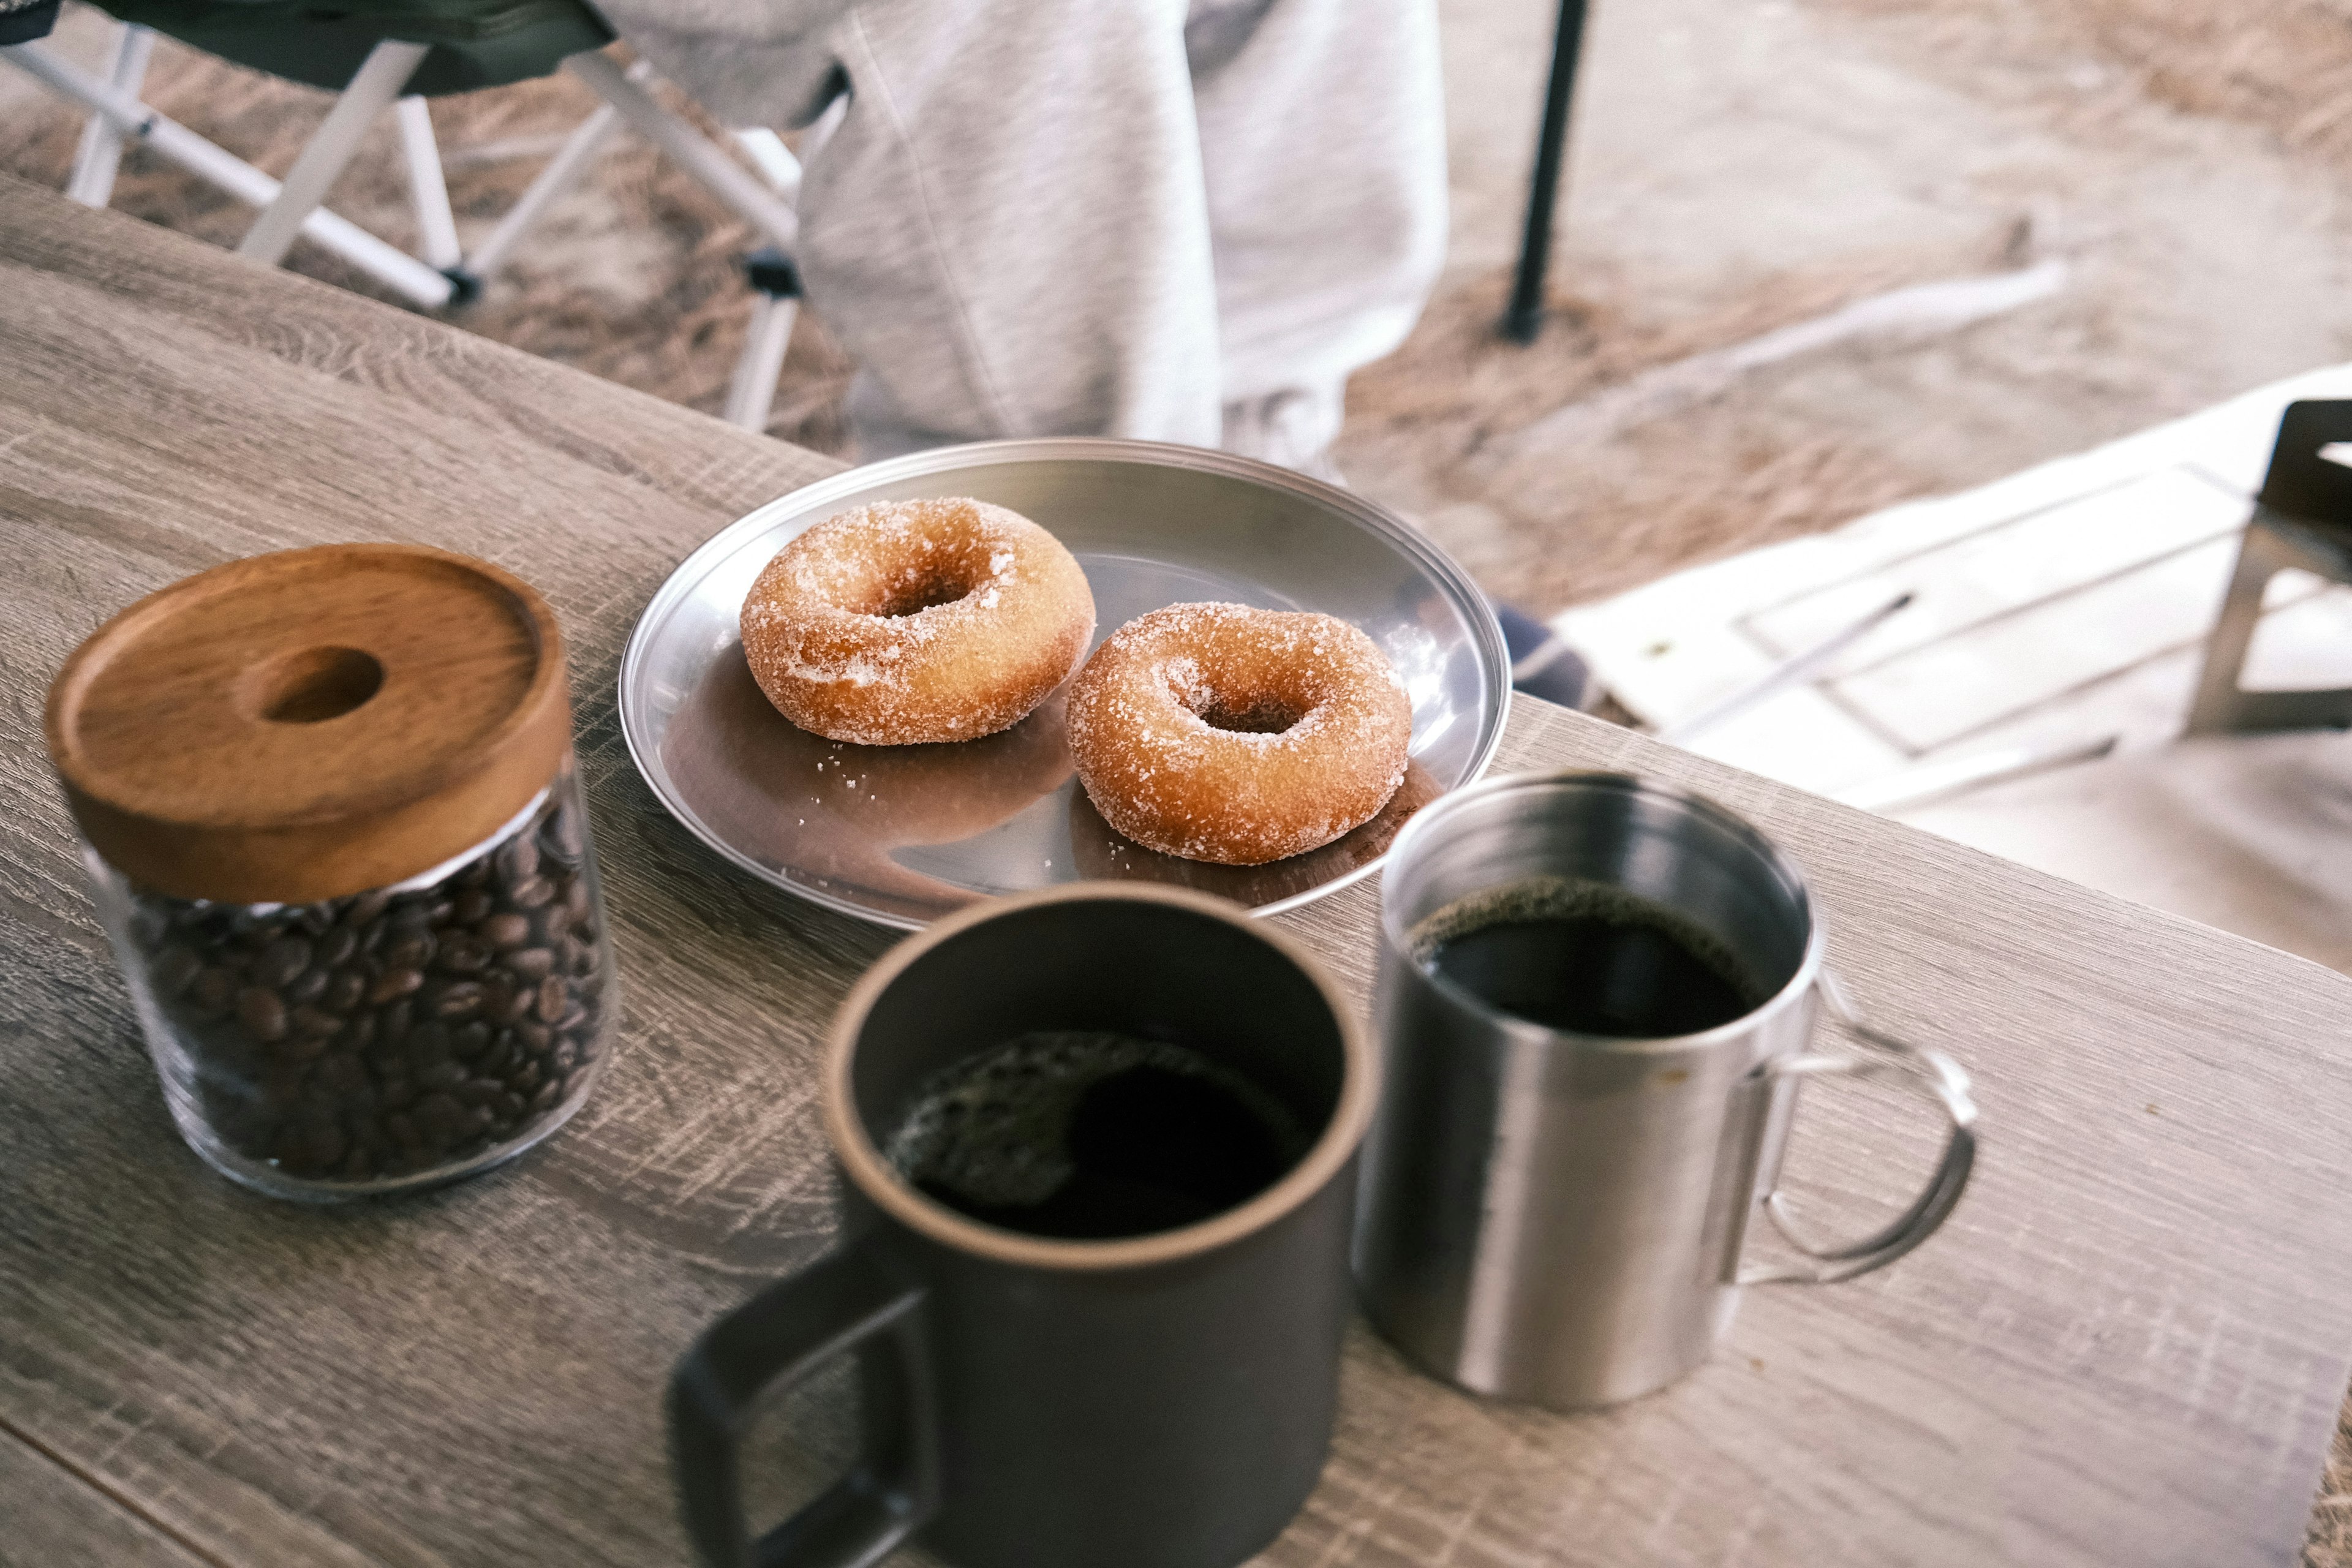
x: 865, y: 1167
x: 1429, y: 820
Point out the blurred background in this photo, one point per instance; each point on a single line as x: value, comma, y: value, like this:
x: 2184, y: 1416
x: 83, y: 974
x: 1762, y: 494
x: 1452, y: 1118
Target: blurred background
x: 1735, y: 166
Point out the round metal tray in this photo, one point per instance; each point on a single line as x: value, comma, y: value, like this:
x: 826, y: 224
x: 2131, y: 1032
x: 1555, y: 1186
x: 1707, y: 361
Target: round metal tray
x: 902, y: 835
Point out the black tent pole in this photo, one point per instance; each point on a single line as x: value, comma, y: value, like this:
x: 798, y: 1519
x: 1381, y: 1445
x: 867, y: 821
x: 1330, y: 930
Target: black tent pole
x: 1524, y: 320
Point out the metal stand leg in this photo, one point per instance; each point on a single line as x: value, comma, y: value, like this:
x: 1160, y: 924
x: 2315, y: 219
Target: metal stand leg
x: 752, y: 395
x: 1524, y: 320
x: 373, y: 87
x: 100, y: 154
x: 725, y: 179
x: 437, y: 225
x: 2272, y: 544
x: 394, y: 267
x: 562, y: 170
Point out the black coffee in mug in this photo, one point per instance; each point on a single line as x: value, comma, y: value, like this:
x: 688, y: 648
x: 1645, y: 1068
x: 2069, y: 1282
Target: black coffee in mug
x: 1586, y: 958
x: 1091, y: 1136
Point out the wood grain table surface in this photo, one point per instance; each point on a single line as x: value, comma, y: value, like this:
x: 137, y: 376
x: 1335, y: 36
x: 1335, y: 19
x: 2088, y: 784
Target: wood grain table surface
x: 2129, y: 1345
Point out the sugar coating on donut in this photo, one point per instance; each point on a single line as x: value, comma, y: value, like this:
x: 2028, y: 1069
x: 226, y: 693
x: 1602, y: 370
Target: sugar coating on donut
x: 908, y: 622
x: 1224, y: 734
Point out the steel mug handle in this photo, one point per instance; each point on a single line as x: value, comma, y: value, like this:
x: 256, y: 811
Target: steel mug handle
x: 1942, y: 1078
x: 844, y: 1302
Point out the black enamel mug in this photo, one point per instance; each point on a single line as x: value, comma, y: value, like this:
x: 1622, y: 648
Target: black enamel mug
x: 1162, y: 1400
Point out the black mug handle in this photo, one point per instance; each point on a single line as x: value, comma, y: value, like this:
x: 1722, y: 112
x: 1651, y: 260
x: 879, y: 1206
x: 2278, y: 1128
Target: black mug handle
x: 844, y: 1301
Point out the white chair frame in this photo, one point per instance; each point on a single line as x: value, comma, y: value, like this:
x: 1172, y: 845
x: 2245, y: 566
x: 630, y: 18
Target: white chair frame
x: 443, y: 274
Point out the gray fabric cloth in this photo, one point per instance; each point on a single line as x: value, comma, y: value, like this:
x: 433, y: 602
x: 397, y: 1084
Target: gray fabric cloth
x: 1060, y: 217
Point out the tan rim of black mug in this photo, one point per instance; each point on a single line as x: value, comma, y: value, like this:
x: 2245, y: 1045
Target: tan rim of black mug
x: 863, y: 1162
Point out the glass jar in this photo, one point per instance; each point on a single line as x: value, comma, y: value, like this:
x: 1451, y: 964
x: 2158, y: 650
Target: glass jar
x: 348, y: 986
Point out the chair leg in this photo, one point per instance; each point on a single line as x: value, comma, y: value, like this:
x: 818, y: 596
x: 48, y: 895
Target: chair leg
x: 175, y: 143
x: 562, y: 170
x: 776, y: 302
x: 100, y: 154
x: 373, y: 88
x: 437, y: 225
x: 2223, y: 707
x: 720, y: 175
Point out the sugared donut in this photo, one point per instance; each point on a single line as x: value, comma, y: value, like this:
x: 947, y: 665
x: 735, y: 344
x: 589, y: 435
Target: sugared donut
x: 907, y: 622
x: 1220, y: 733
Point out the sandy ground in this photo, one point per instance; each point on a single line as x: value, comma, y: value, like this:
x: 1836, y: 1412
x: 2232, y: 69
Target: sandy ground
x: 1739, y: 165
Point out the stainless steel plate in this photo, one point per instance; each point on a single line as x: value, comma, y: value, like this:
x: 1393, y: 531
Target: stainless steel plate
x: 904, y: 834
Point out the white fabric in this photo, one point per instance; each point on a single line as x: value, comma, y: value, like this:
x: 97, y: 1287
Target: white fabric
x: 1063, y: 218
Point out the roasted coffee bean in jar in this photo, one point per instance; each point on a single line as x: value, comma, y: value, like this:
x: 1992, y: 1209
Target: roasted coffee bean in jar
x: 337, y: 838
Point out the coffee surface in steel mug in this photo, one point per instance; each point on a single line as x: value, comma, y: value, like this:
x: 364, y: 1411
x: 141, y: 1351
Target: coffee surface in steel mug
x: 1559, y: 1217
x: 1153, y: 1400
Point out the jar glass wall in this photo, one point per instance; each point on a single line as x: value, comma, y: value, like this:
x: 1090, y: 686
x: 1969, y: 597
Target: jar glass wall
x: 392, y: 1040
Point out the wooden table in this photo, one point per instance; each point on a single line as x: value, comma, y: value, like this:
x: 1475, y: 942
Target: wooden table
x: 2129, y: 1345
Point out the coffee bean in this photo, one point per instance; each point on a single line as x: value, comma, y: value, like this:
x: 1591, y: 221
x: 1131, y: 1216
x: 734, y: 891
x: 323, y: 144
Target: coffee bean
x: 506, y: 931
x: 411, y: 950
x: 565, y: 1057
x: 359, y: 1033
x: 575, y: 899
x: 474, y: 876
x: 397, y: 1093
x: 314, y: 918
x: 335, y: 948
x: 474, y: 905
x: 393, y: 984
x: 504, y: 999
x: 463, y: 952
x: 563, y: 834
x: 262, y: 1013
x: 392, y: 1022
x: 554, y: 996
x: 343, y: 990
x: 548, y: 1094
x: 281, y: 960
x: 532, y: 964
x: 441, y: 1075
x: 526, y: 1077
x: 535, y: 1036
x: 502, y: 1056
x: 552, y: 924
x: 312, y: 1023
x: 470, y: 1041
x: 365, y: 908
x: 532, y: 894
x: 458, y: 1000
x: 516, y: 859
x: 307, y: 986
x: 481, y: 1091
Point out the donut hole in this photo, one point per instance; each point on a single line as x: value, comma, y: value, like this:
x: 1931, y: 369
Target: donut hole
x: 923, y: 592
x: 1248, y: 715
x: 935, y: 572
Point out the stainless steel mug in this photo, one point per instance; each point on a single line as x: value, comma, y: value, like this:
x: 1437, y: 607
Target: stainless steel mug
x: 1155, y: 1401
x: 1559, y: 1217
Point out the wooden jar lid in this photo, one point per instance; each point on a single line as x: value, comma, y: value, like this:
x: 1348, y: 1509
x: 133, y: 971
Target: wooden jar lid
x: 312, y: 723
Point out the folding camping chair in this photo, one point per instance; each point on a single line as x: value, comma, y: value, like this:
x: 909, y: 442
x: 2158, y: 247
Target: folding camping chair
x: 395, y: 54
